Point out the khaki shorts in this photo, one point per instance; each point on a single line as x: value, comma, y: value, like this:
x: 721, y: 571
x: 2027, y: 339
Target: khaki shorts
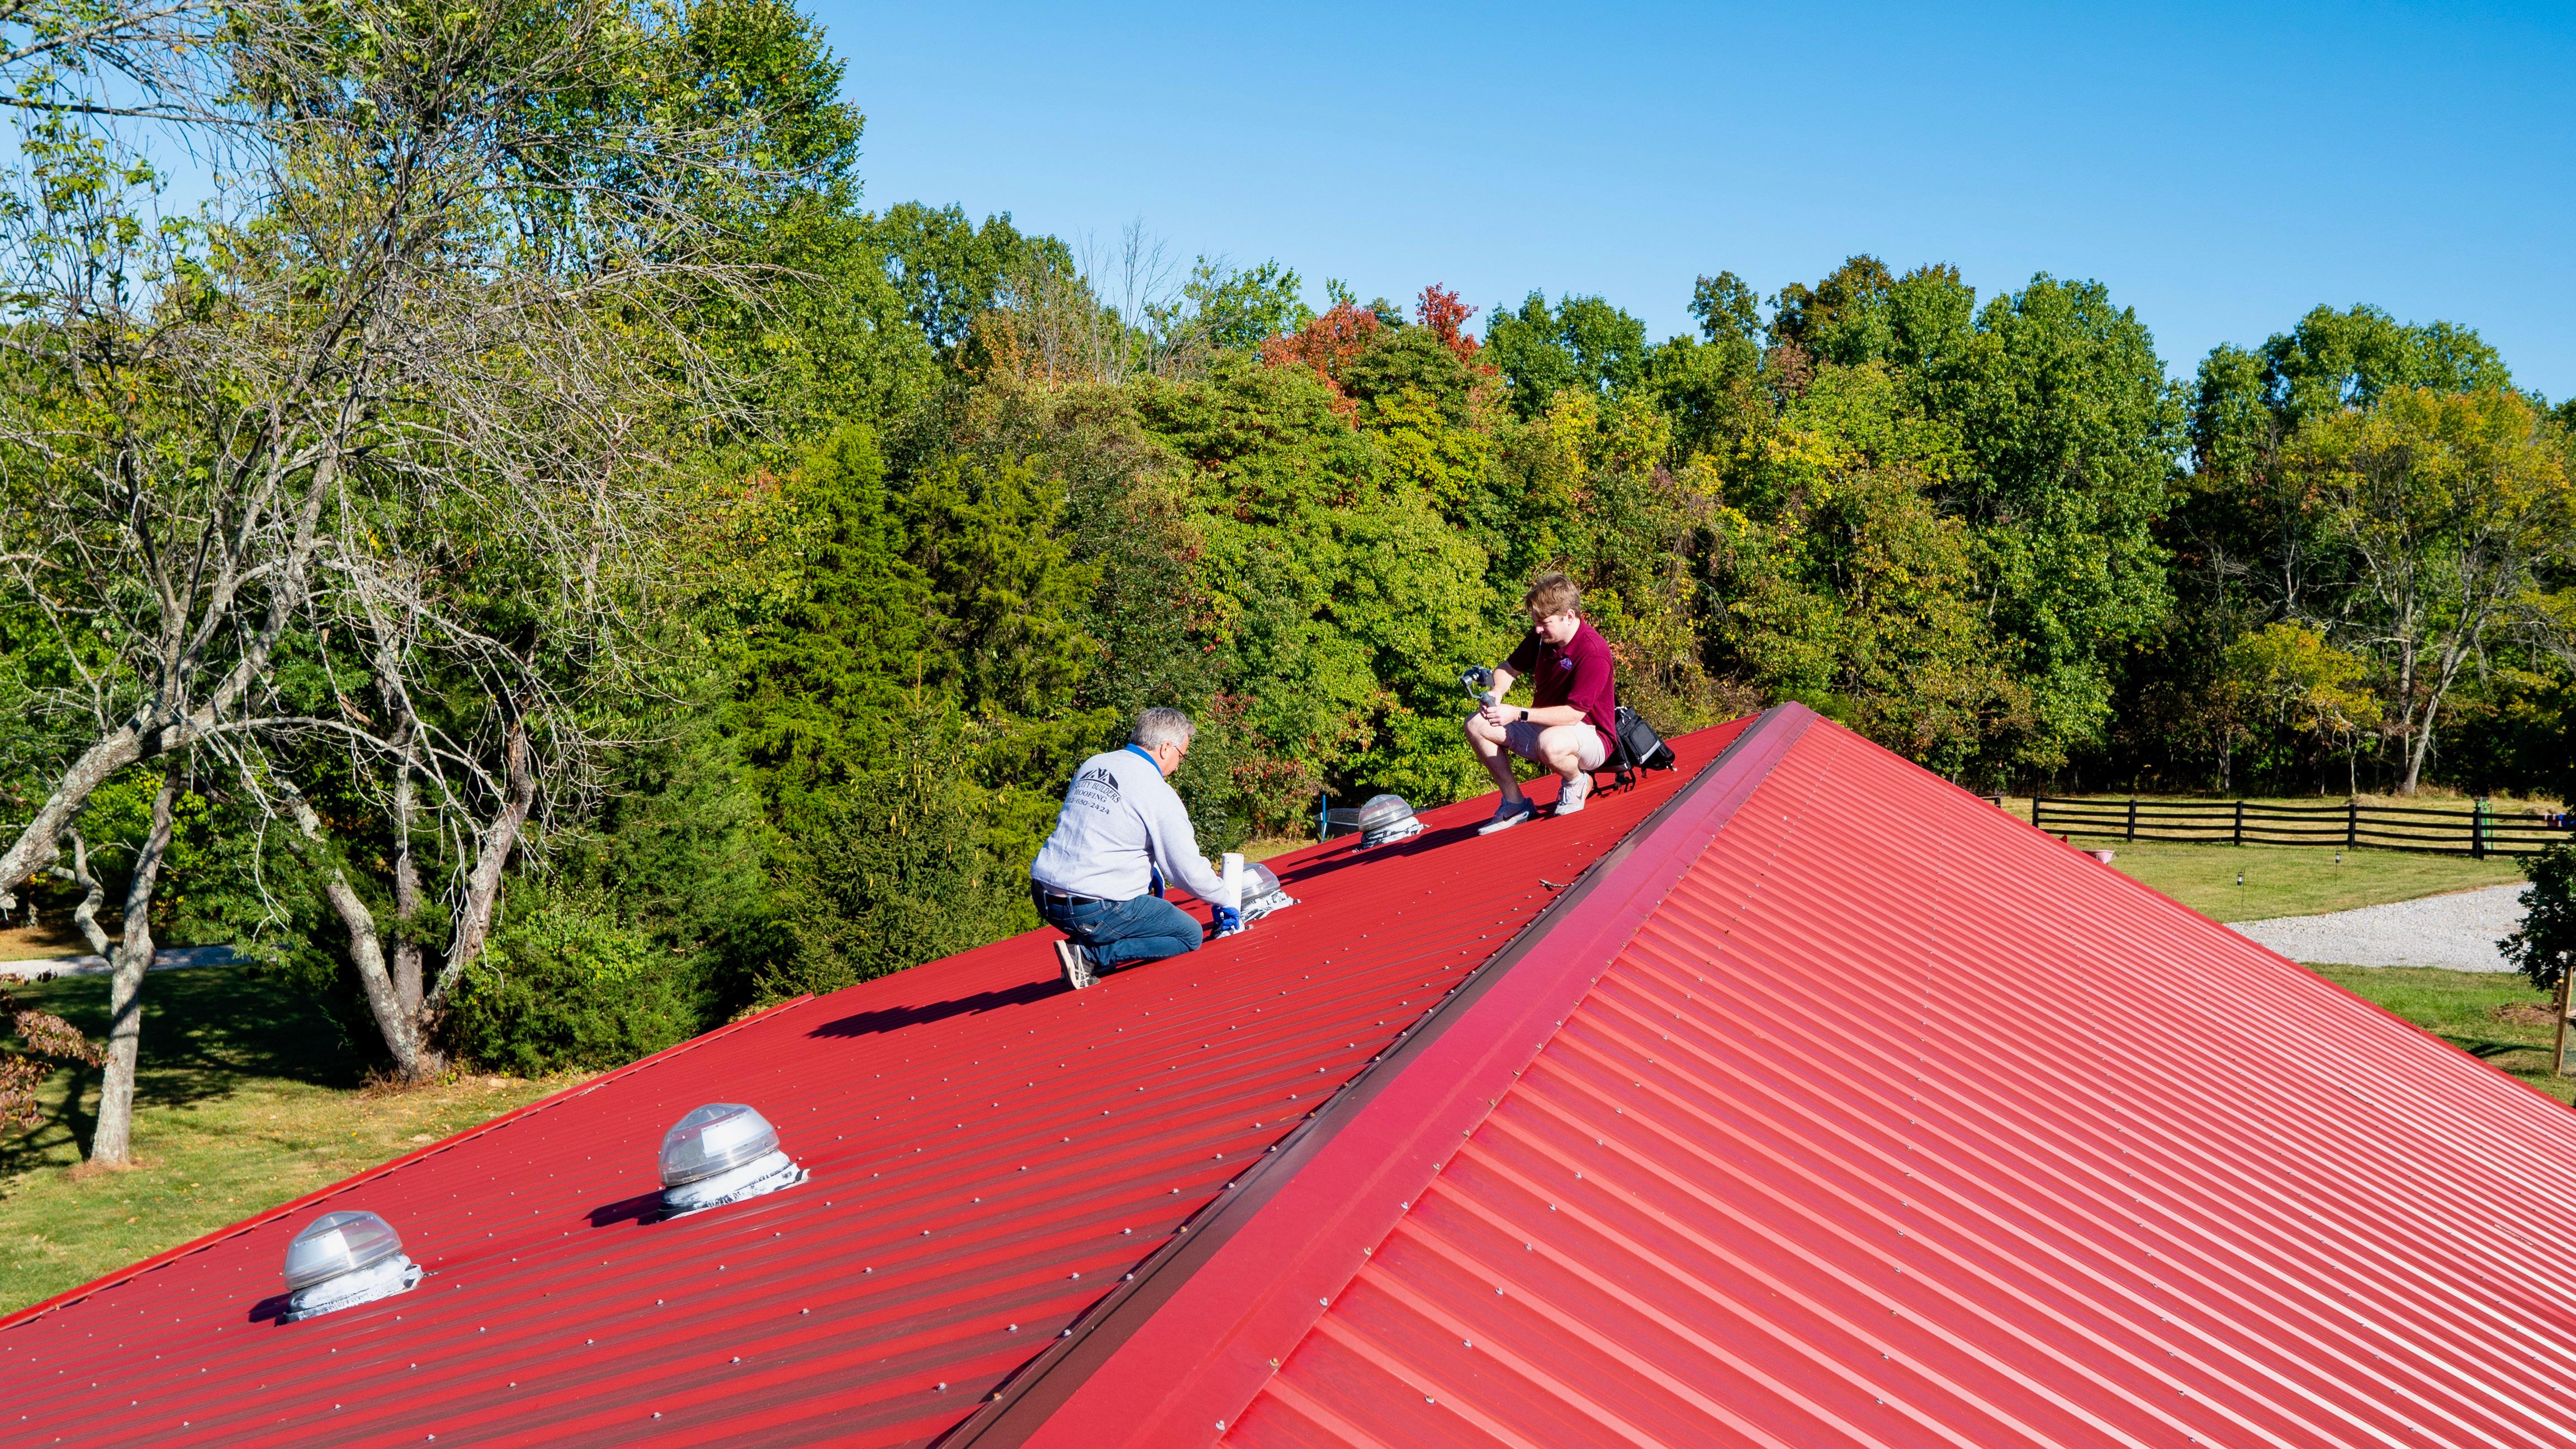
x: 1521, y: 738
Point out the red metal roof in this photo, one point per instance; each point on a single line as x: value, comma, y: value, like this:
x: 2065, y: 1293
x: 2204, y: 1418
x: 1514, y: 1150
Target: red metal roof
x: 1892, y: 1122
x: 990, y: 1155
x: 1831, y: 1106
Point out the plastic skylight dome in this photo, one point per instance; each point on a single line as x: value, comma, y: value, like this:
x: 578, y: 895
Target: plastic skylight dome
x: 719, y: 1153
x: 1262, y: 893
x: 714, y: 1138
x: 345, y: 1258
x: 1385, y: 818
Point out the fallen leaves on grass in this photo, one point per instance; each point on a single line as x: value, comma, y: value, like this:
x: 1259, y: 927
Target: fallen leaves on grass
x: 49, y: 1039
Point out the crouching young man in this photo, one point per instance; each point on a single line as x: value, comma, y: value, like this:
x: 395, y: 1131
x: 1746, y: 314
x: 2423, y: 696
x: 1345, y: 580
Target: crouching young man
x: 1122, y: 832
x: 1567, y: 726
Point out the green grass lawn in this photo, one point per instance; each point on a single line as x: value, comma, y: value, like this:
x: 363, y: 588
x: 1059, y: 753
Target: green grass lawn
x: 249, y: 1096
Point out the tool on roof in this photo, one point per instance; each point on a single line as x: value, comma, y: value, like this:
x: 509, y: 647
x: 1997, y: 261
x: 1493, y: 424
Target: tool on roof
x: 722, y: 1152
x: 344, y: 1259
x: 1386, y: 818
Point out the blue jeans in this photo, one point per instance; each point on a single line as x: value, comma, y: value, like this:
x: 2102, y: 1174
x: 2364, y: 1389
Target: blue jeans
x: 1121, y: 933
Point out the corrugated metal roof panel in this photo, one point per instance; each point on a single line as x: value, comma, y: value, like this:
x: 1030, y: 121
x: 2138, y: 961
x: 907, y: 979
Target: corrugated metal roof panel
x: 1899, y: 1123
x: 989, y: 1155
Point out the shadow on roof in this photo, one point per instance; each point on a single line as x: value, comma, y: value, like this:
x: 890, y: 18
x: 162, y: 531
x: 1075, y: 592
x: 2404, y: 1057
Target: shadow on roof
x: 897, y: 1018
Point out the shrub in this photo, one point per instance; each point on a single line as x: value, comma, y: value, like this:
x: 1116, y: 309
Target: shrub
x: 897, y: 869
x: 2545, y: 948
x: 567, y: 984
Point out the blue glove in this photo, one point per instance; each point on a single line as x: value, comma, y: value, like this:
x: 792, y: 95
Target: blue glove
x: 1228, y: 920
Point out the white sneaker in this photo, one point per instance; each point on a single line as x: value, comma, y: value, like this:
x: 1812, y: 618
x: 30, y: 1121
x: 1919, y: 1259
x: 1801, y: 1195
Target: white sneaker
x: 1571, y: 795
x: 1507, y: 815
x: 1075, y: 963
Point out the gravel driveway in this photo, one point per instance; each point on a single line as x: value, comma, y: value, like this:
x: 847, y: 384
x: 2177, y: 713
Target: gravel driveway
x: 2457, y: 932
x: 173, y: 959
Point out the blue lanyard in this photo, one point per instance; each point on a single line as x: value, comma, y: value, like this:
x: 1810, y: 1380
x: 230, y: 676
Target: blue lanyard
x: 1139, y: 752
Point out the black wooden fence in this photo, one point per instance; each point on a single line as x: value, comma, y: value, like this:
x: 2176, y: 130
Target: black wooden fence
x: 2479, y: 830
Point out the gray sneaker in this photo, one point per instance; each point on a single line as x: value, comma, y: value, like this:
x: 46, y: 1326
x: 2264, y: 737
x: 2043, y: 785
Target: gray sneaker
x: 1507, y: 815
x: 1075, y: 962
x: 1571, y: 795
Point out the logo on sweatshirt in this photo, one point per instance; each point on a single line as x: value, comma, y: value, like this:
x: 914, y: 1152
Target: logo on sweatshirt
x: 1095, y: 790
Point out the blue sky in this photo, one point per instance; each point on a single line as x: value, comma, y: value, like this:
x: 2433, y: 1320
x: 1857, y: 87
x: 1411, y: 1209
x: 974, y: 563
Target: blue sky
x: 2219, y: 170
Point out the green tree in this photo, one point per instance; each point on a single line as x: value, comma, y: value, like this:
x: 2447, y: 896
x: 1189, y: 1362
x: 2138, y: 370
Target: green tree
x: 852, y: 644
x: 950, y: 271
x: 1842, y: 319
x: 1582, y: 342
x: 2456, y: 513
x: 2543, y: 948
x: 2070, y: 435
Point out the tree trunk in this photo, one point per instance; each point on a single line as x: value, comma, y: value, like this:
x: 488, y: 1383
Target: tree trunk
x: 113, y: 1144
x: 367, y: 953
x: 407, y: 901
x: 400, y: 1027
x: 483, y: 885
x: 38, y: 844
x: 93, y: 895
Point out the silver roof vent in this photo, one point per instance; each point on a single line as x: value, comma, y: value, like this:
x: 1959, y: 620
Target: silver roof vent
x: 722, y: 1152
x: 1262, y: 893
x: 344, y: 1259
x: 1386, y: 818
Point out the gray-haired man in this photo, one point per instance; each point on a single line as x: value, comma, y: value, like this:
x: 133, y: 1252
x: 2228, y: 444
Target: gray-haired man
x: 1121, y: 833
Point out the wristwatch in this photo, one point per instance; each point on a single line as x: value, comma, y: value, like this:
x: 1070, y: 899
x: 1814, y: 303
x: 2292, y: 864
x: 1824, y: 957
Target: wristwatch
x: 1524, y: 716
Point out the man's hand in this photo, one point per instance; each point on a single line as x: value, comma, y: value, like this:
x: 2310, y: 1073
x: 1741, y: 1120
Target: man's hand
x: 1226, y: 919
x: 1495, y: 715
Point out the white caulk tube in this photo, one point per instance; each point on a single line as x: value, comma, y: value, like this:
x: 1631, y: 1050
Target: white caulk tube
x: 1233, y: 891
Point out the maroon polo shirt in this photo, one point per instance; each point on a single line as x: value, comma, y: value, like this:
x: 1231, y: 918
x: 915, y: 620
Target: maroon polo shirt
x: 1576, y: 672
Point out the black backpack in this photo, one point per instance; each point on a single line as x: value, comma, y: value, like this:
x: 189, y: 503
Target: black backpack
x: 1640, y: 748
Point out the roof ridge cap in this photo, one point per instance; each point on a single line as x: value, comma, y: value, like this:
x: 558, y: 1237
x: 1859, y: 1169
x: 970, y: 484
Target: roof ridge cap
x: 1139, y: 1355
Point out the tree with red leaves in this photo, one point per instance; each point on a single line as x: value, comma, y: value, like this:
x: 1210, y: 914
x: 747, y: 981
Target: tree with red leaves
x: 1325, y: 346
x: 1445, y: 317
x: 47, y: 1039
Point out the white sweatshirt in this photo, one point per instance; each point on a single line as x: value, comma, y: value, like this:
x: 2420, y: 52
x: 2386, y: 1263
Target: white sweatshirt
x: 1120, y: 820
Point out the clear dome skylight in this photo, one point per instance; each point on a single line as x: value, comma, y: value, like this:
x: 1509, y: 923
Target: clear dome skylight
x: 722, y: 1152
x: 1262, y: 893
x: 342, y: 1259
x: 1385, y: 818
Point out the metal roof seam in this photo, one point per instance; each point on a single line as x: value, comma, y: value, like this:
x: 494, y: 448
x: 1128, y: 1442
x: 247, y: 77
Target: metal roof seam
x: 1419, y: 1231
x: 1831, y: 1039
x: 1885, y: 1260
x: 1476, y: 1204
x: 1618, y: 890
x: 1935, y: 1247
x: 2064, y: 1259
x: 2070, y: 1205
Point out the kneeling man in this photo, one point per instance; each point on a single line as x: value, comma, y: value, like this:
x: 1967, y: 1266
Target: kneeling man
x: 1567, y: 726
x: 1122, y: 832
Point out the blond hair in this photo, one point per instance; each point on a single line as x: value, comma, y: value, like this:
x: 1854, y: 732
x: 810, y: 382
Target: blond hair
x: 1552, y: 594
